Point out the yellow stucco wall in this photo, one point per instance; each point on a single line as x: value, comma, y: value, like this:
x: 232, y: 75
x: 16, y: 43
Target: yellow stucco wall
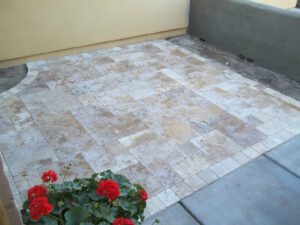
x: 285, y: 4
x: 30, y: 27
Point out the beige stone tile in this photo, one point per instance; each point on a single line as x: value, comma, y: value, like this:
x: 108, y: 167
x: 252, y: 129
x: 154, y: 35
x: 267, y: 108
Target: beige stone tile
x: 162, y: 83
x: 207, y: 176
x: 167, y: 177
x: 231, y: 164
x: 139, y: 90
x: 216, y: 145
x: 189, y: 167
x: 260, y: 148
x: 138, y: 138
x: 115, y: 101
x: 29, y: 157
x: 182, y: 190
x: 241, y: 158
x: 195, y: 182
x: 269, y: 142
x: 152, y: 185
x: 175, y: 130
x: 242, y: 133
x: 156, y: 155
x: 272, y: 126
x: 168, y: 197
x: 294, y: 127
x: 251, y: 153
x: 154, y: 205
x: 220, y: 169
x: 136, y: 173
x: 114, y: 163
x: 281, y: 136
x: 104, y: 127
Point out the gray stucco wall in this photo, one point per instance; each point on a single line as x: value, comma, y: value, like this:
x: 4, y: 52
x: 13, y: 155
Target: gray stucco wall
x: 269, y: 35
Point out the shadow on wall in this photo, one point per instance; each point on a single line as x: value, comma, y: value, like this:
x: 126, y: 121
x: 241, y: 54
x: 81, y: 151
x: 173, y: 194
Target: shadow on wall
x: 268, y: 35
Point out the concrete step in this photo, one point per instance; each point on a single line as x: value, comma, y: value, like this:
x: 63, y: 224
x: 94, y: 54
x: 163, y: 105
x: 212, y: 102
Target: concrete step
x: 288, y: 155
x: 259, y: 193
x: 174, y: 215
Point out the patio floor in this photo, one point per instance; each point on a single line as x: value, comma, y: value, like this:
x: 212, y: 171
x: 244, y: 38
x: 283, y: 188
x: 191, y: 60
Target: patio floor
x: 165, y: 117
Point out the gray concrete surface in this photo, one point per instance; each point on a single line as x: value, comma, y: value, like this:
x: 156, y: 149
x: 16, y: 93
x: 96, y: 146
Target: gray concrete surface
x: 270, y: 36
x: 260, y: 193
x: 11, y: 76
x: 288, y: 155
x: 174, y: 215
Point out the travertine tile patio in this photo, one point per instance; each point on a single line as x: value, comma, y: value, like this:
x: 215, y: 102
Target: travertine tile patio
x: 165, y: 117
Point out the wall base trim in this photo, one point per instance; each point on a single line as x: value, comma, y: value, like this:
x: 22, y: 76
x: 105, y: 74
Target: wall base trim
x: 102, y: 45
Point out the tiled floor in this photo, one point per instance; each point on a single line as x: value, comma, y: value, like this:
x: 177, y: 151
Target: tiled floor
x: 167, y: 118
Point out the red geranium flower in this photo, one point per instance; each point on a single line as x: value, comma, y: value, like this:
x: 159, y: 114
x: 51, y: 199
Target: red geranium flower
x: 35, y: 192
x: 143, y: 195
x: 39, y: 207
x: 123, y: 221
x: 108, y: 188
x: 49, y: 176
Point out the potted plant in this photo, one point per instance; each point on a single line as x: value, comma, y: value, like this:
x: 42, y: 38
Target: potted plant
x: 103, y: 199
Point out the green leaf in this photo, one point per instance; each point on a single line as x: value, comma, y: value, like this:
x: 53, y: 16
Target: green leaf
x: 77, y: 186
x: 48, y: 221
x: 103, y: 223
x: 76, y: 215
x: 93, y: 195
x: 108, y: 214
x: 87, y: 223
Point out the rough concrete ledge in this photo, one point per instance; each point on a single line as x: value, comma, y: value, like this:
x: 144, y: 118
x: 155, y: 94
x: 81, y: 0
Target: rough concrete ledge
x: 268, y: 35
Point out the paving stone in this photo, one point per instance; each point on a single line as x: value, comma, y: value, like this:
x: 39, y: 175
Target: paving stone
x: 154, y: 205
x: 250, y: 152
x: 168, y: 197
x: 207, y: 176
x: 182, y: 190
x: 220, y: 169
x: 287, y: 154
x: 175, y: 215
x: 242, y: 197
x: 242, y: 133
x: 216, y: 145
x: 241, y: 158
x: 195, y: 182
x: 153, y: 111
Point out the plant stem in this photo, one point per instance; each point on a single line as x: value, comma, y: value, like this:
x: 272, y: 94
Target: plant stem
x: 60, y: 215
x: 56, y: 218
x: 65, y: 174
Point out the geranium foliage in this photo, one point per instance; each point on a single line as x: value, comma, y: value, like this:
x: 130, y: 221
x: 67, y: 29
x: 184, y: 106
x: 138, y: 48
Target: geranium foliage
x: 103, y: 199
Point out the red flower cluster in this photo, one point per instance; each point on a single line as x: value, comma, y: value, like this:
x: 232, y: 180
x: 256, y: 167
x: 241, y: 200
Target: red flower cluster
x: 143, y: 195
x: 39, y: 207
x: 49, y: 176
x: 108, y: 188
x: 123, y: 221
x: 38, y: 202
x: 35, y: 192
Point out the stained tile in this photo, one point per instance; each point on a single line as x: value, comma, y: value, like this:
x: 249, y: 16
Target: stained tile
x: 216, y: 145
x: 182, y: 190
x: 168, y: 197
x: 168, y: 177
x: 156, y: 155
x: 242, y: 133
x: 195, y: 182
